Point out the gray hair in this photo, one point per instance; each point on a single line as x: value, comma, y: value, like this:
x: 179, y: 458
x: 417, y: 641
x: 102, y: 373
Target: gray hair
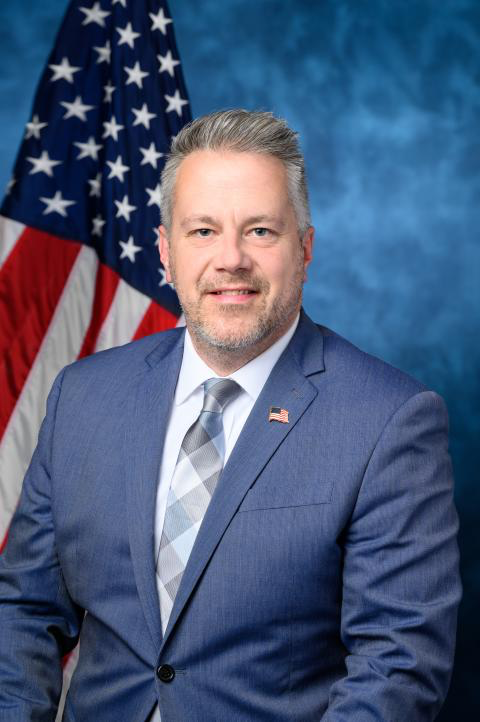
x: 240, y: 131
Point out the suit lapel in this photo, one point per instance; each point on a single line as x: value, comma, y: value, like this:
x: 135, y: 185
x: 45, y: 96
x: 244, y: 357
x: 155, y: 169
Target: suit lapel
x: 150, y: 402
x: 288, y: 388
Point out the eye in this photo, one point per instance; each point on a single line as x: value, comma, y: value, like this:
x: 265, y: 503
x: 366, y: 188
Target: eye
x: 203, y: 232
x: 261, y: 232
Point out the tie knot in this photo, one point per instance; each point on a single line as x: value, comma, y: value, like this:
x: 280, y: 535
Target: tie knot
x: 218, y: 393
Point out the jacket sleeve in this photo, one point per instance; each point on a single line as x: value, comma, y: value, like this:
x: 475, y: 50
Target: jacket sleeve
x: 38, y: 621
x: 401, y: 585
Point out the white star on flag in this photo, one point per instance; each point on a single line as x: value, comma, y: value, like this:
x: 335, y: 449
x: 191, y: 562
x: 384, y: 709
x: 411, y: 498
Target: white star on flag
x: 142, y: 116
x: 10, y: 185
x: 159, y: 21
x: 167, y: 63
x: 89, y: 149
x: 57, y: 204
x: 124, y: 208
x: 104, y: 52
x: 64, y: 71
x: 117, y: 169
x: 163, y: 280
x: 129, y: 249
x: 155, y: 195
x: 34, y: 127
x: 135, y: 75
x: 150, y: 155
x: 127, y: 35
x: 112, y: 128
x: 95, y: 14
x: 175, y: 102
x: 42, y: 164
x: 108, y: 89
x: 123, y: 3
x: 94, y: 184
x: 77, y: 109
x: 98, y: 224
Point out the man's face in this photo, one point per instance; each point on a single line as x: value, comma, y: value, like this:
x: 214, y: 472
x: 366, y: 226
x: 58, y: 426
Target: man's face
x: 233, y: 252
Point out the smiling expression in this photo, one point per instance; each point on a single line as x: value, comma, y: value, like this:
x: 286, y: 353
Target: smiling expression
x: 234, y: 252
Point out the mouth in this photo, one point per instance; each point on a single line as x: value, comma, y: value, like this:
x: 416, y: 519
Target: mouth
x: 233, y: 295
x: 233, y: 291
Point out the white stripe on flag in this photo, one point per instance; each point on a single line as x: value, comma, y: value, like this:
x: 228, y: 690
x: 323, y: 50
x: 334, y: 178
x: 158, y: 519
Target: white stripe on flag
x: 10, y: 232
x: 68, y: 670
x: 60, y: 346
x: 126, y: 312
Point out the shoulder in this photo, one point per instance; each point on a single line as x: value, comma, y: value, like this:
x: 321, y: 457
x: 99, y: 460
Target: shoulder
x: 343, y: 358
x: 121, y: 364
x: 359, y: 385
x: 358, y: 395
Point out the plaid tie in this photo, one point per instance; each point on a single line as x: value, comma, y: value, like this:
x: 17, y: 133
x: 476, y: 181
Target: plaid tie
x: 197, y: 471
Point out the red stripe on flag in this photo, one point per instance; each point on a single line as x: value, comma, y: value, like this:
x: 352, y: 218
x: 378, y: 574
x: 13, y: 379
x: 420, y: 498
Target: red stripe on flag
x: 156, y: 318
x: 105, y: 287
x: 65, y: 659
x: 31, y: 283
x: 2, y: 545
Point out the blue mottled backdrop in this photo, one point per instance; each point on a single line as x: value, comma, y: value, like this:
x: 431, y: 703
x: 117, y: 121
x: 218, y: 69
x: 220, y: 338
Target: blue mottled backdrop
x: 386, y: 96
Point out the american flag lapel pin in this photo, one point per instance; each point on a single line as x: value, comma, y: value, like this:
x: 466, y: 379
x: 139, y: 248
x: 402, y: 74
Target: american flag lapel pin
x: 278, y: 414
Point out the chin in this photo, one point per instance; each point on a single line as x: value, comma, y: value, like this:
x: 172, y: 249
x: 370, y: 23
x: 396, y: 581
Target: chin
x: 243, y: 337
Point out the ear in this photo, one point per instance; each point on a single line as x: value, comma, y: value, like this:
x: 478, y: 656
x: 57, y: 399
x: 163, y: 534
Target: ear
x: 307, y: 242
x: 164, y: 249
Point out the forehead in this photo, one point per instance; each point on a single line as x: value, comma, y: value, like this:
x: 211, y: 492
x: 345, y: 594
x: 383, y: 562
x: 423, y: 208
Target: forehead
x: 225, y: 179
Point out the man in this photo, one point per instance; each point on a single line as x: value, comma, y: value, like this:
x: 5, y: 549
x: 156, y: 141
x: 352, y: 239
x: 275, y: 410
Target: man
x: 315, y: 577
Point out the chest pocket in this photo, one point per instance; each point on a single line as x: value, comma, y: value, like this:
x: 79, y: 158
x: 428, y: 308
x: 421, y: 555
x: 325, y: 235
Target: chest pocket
x: 300, y: 473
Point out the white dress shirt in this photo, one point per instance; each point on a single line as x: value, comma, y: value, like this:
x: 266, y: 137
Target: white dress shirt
x: 187, y: 406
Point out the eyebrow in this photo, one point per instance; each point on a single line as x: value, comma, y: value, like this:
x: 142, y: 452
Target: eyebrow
x: 257, y: 220
x: 208, y: 220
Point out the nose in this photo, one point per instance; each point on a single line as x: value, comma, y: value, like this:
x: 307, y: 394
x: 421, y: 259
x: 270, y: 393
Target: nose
x: 232, y: 253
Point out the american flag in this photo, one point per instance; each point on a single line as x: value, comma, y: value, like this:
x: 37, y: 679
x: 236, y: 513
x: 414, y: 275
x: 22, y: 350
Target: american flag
x: 79, y: 265
x: 278, y: 414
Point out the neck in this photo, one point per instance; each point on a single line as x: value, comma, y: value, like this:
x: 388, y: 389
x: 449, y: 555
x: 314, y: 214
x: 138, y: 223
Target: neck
x: 226, y: 361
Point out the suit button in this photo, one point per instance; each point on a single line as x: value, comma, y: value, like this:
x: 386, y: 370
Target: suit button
x: 165, y: 673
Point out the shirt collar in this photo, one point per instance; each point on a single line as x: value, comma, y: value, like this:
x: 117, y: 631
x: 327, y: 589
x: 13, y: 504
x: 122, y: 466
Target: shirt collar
x: 251, y: 377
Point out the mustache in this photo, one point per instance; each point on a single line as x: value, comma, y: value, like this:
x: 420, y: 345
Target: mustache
x: 251, y: 281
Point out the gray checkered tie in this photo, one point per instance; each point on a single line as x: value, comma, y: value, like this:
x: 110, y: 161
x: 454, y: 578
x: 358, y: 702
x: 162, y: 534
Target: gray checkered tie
x: 198, y: 468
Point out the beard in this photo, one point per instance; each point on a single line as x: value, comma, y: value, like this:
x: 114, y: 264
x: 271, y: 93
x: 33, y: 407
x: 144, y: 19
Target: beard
x: 232, y: 328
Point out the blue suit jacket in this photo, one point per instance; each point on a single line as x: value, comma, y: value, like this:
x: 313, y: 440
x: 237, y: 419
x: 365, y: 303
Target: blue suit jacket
x: 323, y: 584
